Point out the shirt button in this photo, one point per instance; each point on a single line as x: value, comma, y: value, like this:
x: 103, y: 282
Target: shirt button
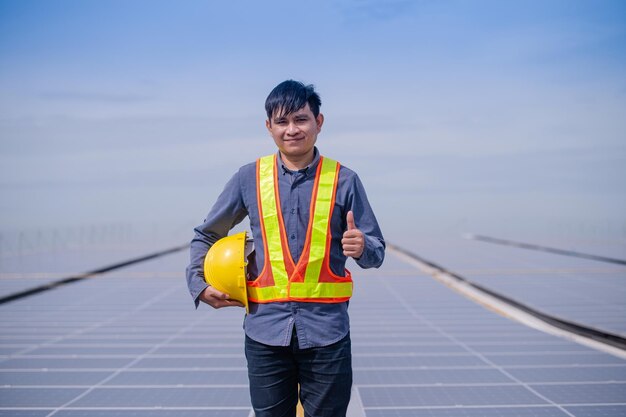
x: 293, y: 237
x: 293, y: 211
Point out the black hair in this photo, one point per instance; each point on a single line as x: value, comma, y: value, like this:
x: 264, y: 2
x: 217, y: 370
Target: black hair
x: 290, y: 96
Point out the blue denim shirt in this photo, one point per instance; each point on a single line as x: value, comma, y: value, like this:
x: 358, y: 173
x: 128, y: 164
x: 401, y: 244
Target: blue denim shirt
x: 316, y: 324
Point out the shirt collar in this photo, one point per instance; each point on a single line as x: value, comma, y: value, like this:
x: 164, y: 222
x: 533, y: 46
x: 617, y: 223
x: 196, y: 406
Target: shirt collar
x: 306, y: 170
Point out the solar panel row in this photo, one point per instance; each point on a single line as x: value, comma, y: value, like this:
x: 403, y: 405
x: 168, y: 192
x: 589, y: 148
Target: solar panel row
x: 115, y: 346
x: 580, y: 290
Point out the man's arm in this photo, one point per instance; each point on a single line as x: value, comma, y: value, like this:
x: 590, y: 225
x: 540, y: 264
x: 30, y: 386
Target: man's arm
x: 363, y: 239
x: 227, y: 211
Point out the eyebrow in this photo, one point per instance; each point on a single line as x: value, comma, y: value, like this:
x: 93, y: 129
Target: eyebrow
x: 295, y: 115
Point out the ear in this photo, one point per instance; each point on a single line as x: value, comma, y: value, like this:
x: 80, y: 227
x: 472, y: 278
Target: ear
x: 268, y: 125
x: 320, y: 121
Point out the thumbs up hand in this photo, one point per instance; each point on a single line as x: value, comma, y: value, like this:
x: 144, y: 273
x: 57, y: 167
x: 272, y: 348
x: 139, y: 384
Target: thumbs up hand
x: 353, y: 241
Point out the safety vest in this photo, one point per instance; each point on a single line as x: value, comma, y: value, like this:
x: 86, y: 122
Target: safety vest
x: 311, y: 279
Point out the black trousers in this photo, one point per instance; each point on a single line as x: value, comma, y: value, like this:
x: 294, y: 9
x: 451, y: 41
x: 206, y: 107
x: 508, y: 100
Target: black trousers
x: 324, y: 375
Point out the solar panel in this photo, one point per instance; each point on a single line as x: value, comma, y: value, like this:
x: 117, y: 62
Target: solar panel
x: 581, y: 290
x: 134, y: 345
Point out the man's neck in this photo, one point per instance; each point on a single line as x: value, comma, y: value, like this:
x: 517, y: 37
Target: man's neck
x: 297, y: 163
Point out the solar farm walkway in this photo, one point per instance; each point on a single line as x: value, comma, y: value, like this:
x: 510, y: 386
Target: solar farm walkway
x: 129, y: 343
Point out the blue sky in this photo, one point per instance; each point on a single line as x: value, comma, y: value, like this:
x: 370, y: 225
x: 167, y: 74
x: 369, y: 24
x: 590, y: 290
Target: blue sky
x: 496, y: 117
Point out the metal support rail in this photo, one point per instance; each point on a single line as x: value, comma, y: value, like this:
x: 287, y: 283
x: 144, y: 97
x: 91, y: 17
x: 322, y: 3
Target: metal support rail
x: 546, y: 249
x: 75, y: 278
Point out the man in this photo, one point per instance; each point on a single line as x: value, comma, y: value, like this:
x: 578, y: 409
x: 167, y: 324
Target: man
x: 307, y: 215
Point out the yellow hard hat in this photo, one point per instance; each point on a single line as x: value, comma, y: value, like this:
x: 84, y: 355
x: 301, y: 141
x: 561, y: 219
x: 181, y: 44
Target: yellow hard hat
x: 225, y: 267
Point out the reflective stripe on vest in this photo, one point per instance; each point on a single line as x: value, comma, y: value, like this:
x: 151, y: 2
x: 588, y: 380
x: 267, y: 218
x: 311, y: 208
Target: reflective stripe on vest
x: 311, y: 279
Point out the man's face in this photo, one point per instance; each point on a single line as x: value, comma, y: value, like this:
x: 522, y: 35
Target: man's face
x: 295, y: 134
